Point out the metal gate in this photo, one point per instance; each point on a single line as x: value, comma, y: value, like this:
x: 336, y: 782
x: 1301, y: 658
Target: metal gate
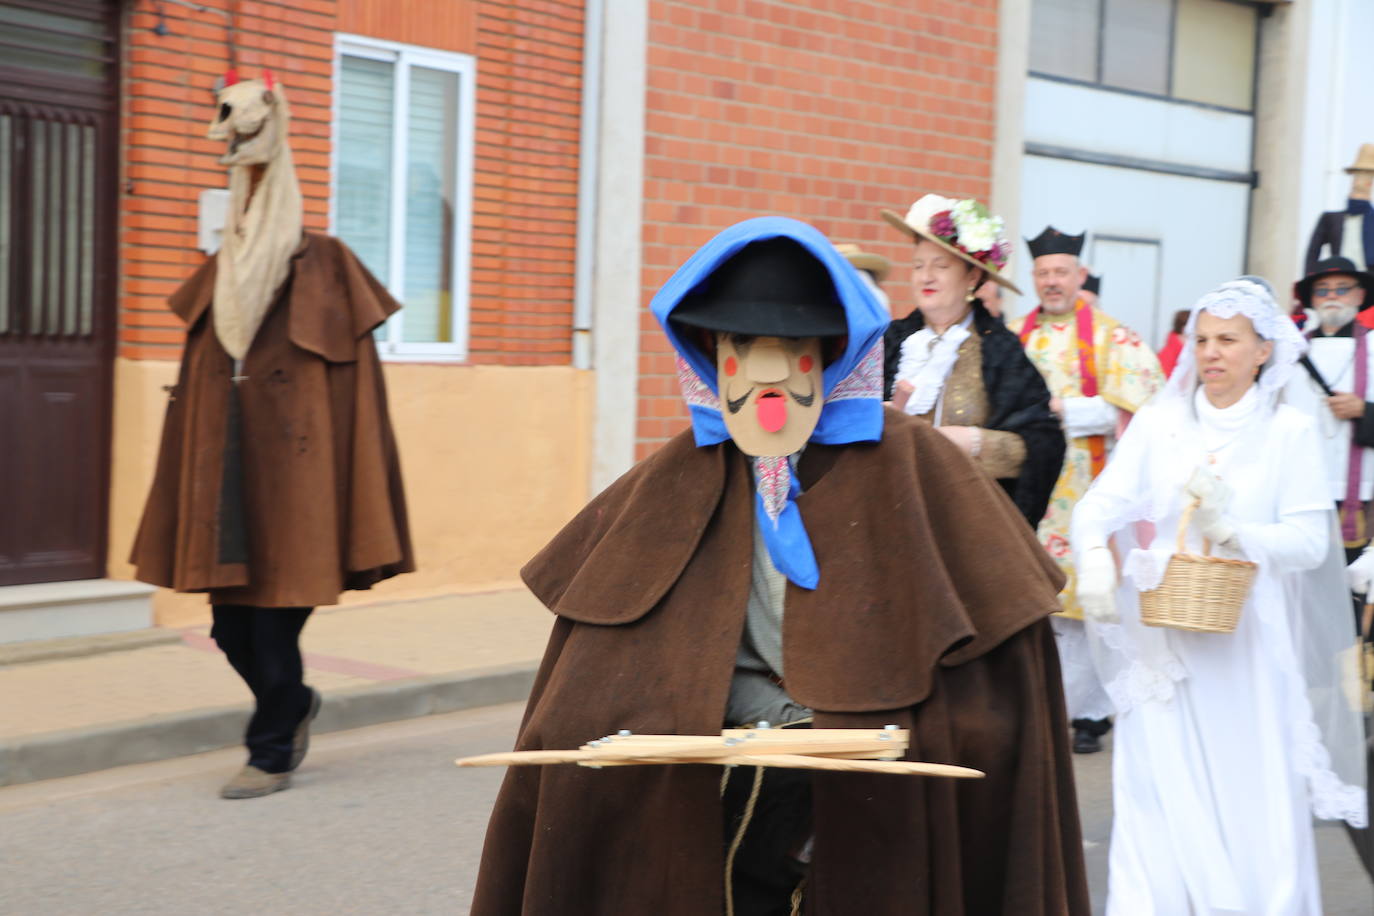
x: 58, y: 161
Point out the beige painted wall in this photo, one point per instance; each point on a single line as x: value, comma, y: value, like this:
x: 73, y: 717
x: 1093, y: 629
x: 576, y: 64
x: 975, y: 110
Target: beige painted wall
x: 495, y: 458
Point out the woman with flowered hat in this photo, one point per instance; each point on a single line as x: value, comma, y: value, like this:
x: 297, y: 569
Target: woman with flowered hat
x: 954, y: 364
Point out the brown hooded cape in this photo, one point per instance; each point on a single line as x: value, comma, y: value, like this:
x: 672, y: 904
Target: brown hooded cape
x: 930, y: 613
x: 321, y: 505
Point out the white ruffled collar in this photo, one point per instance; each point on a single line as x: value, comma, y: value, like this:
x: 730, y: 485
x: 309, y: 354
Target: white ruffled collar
x: 926, y: 361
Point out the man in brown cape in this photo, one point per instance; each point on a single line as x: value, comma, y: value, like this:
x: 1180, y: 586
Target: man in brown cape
x: 801, y: 555
x: 278, y: 484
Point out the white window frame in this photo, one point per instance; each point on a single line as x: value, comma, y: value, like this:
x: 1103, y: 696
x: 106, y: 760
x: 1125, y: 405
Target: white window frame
x: 392, y: 345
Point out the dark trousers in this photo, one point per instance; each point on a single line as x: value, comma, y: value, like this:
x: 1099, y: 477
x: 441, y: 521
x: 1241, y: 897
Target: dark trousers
x: 263, y: 646
x: 767, y: 838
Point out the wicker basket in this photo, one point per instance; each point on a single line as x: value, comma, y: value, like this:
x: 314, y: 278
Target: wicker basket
x: 1203, y: 594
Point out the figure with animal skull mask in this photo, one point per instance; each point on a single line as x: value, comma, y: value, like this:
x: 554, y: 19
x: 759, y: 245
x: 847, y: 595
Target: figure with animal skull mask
x: 278, y: 484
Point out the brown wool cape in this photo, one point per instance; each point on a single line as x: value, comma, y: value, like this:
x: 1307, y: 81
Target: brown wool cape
x: 322, y: 504
x: 930, y: 613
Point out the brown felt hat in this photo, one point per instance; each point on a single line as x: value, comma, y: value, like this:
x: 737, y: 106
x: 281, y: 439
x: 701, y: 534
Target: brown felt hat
x: 875, y: 264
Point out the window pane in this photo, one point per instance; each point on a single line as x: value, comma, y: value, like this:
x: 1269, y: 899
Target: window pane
x: 55, y: 43
x: 1135, y: 45
x: 38, y: 220
x: 1214, y: 53
x: 363, y: 193
x: 432, y: 159
x: 1064, y: 38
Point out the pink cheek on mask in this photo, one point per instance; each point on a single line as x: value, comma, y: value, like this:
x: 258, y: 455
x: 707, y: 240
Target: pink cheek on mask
x: 731, y: 367
x: 805, y: 364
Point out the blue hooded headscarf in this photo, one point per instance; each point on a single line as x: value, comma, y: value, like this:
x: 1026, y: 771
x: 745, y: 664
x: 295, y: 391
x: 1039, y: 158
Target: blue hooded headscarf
x: 851, y: 385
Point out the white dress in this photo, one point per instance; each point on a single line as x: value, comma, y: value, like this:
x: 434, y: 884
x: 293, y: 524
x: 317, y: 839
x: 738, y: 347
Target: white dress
x: 1218, y: 759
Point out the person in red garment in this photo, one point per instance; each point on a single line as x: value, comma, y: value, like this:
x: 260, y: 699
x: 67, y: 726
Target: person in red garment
x: 278, y: 484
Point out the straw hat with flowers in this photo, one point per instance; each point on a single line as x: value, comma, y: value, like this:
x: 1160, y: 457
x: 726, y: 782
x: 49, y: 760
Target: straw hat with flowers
x: 964, y: 228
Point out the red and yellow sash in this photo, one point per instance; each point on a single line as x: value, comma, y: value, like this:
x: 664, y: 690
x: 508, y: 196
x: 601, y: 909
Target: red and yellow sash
x: 1087, y: 369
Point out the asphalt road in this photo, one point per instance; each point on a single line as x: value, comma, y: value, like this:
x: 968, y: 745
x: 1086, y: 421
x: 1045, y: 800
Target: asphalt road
x: 378, y: 822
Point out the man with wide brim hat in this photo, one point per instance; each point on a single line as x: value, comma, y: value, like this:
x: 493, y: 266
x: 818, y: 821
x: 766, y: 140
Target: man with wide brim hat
x: 1360, y: 289
x: 1348, y: 233
x: 875, y: 265
x: 873, y: 269
x: 1100, y: 373
x: 1336, y: 388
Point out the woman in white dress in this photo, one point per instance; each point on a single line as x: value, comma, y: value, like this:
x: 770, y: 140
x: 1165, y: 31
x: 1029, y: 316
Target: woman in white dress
x: 1226, y: 743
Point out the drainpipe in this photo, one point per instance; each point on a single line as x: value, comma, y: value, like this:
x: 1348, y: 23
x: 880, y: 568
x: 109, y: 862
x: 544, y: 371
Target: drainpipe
x: 589, y: 164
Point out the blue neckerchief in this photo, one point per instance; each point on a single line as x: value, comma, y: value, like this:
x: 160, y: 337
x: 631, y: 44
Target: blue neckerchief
x: 1363, y: 208
x: 852, y: 412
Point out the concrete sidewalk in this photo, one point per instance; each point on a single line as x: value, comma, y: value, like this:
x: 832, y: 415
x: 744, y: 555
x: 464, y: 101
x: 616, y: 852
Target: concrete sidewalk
x: 372, y: 663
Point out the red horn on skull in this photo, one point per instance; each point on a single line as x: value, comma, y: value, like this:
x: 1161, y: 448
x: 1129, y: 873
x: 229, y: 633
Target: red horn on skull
x: 269, y: 79
x: 231, y: 77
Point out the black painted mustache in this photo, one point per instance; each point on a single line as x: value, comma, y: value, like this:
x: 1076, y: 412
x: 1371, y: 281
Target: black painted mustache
x: 735, y: 405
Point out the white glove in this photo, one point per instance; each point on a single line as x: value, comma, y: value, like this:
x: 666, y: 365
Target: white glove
x: 1359, y: 573
x: 1213, y: 496
x: 1097, y: 585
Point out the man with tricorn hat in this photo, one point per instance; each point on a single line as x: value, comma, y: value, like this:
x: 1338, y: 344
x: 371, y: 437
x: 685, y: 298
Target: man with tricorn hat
x: 1348, y: 233
x: 278, y: 484
x: 1099, y: 373
x: 800, y: 556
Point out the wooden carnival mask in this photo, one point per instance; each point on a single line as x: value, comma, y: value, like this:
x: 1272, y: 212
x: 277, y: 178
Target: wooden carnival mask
x: 771, y: 391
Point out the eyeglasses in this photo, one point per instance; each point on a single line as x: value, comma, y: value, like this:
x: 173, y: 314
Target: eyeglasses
x: 1323, y: 292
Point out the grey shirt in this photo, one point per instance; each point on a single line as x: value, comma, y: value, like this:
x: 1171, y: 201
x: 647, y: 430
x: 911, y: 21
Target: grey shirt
x: 754, y: 696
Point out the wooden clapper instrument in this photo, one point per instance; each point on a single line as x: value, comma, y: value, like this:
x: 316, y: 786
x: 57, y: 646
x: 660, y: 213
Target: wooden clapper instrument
x: 848, y: 750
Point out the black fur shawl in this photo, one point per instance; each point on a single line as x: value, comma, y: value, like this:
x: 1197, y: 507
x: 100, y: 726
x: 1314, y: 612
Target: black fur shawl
x: 1019, y: 402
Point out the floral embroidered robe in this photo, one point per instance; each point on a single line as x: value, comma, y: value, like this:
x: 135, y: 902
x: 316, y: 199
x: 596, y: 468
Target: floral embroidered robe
x: 1128, y: 374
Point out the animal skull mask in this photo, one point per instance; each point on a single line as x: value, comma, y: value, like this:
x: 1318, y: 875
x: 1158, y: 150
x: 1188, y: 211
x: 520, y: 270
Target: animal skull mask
x: 263, y: 226
x: 247, y: 120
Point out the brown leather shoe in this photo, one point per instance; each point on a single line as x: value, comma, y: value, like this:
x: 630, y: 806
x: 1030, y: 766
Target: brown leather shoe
x: 301, y: 742
x: 254, y: 783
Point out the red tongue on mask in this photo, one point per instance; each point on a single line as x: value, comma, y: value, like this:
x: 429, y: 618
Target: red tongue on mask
x: 772, y: 408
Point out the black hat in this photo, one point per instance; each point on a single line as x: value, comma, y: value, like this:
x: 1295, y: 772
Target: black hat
x: 1093, y: 284
x: 1052, y: 241
x: 772, y: 287
x: 1329, y: 267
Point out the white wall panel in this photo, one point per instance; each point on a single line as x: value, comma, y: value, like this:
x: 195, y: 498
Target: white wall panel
x: 1101, y: 121
x: 1199, y: 224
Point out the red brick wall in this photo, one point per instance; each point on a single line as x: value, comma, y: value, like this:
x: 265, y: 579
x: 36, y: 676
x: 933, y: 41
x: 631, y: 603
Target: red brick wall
x: 168, y: 161
x: 824, y: 111
x: 529, y: 83
x: 525, y: 181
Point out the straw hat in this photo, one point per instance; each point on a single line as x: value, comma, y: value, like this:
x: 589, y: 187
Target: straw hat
x: 875, y: 264
x: 931, y: 208
x: 1364, y: 162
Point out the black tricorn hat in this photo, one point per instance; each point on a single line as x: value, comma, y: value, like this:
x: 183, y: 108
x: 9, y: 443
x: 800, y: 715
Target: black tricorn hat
x: 1333, y: 267
x: 773, y: 288
x: 1052, y: 241
x: 1093, y: 284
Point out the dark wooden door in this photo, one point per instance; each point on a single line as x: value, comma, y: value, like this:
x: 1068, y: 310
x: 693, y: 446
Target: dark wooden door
x: 58, y: 161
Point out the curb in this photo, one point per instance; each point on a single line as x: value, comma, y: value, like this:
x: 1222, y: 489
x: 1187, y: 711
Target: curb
x: 83, y: 750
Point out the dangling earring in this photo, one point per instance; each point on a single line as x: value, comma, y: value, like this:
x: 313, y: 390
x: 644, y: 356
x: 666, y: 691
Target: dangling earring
x: 970, y: 297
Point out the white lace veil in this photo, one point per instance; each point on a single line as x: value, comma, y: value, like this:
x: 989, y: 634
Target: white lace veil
x: 1136, y: 663
x: 1252, y: 297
